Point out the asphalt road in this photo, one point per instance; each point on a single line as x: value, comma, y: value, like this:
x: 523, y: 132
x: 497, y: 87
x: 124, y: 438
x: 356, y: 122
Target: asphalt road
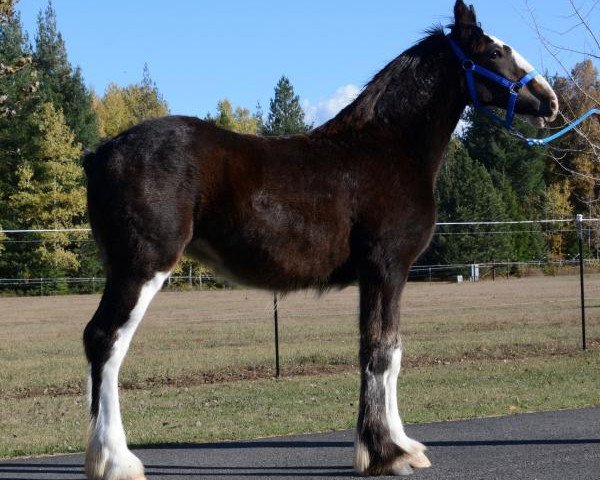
x: 563, y: 445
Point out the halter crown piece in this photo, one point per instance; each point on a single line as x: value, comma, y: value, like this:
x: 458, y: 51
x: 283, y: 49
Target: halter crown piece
x: 471, y: 68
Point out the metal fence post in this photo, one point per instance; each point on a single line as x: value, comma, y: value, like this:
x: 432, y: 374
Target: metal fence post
x: 579, y: 223
x: 276, y: 318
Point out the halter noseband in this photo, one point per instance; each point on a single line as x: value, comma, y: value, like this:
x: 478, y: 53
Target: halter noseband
x: 470, y: 68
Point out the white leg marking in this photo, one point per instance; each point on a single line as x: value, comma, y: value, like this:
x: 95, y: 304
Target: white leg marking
x: 89, y: 388
x: 109, y: 457
x: 390, y: 382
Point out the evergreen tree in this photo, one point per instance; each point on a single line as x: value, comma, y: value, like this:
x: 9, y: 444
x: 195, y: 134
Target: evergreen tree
x: 49, y: 194
x: 18, y: 103
x: 15, y: 56
x: 286, y: 116
x: 507, y: 158
x: 60, y: 84
x: 518, y: 173
x: 465, y: 192
x: 258, y: 115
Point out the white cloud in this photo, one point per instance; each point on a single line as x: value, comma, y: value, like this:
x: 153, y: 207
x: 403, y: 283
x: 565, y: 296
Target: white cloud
x: 318, y: 113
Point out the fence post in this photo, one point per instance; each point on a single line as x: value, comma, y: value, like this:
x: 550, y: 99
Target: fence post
x: 579, y: 222
x: 276, y: 318
x: 493, y: 270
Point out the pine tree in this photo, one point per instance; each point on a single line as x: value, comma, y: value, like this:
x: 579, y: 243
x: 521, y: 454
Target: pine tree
x: 60, y: 84
x: 286, y: 116
x: 15, y: 57
x: 18, y: 102
x: 49, y: 195
x: 506, y: 155
x: 465, y: 192
x: 518, y: 173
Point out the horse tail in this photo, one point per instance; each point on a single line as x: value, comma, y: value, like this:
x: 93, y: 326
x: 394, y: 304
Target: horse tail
x: 88, y: 161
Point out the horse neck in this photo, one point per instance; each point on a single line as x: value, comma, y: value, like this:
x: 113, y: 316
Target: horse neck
x: 412, y: 105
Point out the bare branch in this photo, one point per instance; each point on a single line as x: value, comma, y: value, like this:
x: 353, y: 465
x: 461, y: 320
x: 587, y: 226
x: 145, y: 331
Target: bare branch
x: 585, y: 24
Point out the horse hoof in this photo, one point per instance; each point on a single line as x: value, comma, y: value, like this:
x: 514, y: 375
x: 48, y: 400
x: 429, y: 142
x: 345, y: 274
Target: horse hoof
x: 402, y: 470
x: 419, y: 460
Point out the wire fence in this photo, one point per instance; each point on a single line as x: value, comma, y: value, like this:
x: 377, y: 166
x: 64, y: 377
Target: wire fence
x: 451, y: 272
x: 473, y: 271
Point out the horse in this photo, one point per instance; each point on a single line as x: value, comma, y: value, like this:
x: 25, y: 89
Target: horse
x: 350, y: 201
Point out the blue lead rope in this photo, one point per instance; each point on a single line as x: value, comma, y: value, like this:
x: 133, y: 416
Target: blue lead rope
x: 540, y: 142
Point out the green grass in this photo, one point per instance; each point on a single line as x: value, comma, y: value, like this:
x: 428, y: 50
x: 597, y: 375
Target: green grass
x: 268, y: 407
x: 200, y: 367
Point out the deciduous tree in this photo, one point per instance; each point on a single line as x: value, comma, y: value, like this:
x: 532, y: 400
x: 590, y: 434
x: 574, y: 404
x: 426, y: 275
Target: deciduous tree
x: 123, y: 107
x: 239, y: 120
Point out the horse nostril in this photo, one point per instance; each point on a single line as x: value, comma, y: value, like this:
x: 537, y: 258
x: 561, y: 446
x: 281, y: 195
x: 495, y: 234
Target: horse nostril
x: 554, y: 105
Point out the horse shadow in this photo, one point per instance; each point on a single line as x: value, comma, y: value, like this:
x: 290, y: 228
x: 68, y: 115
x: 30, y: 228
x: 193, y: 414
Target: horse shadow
x: 48, y: 469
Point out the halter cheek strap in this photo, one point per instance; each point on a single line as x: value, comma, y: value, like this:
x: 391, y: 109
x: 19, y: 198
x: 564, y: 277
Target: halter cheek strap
x: 471, y: 68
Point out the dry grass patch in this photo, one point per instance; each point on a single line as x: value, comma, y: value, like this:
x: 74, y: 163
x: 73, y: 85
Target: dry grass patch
x: 522, y: 335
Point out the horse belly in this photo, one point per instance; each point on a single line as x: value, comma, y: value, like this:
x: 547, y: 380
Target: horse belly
x: 278, y: 251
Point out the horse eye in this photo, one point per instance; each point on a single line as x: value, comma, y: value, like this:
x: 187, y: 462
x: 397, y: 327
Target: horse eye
x: 495, y: 54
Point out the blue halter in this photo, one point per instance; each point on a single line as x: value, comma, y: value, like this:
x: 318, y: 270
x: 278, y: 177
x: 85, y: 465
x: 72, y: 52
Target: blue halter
x: 471, y: 68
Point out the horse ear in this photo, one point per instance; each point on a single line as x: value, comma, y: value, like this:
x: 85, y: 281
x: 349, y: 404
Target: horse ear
x: 464, y: 15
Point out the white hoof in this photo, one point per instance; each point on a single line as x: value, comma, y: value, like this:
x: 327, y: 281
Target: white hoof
x: 410, y: 446
x: 124, y: 466
x: 402, y: 470
x: 419, y: 460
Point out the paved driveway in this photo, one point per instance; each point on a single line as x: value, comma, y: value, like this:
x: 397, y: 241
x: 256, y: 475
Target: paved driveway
x: 563, y: 445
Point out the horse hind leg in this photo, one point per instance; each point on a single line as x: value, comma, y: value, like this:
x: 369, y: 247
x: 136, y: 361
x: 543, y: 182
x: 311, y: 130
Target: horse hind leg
x: 106, y: 339
x: 381, y: 444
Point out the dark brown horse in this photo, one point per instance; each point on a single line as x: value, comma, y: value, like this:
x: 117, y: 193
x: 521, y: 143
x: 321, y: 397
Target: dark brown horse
x: 351, y: 201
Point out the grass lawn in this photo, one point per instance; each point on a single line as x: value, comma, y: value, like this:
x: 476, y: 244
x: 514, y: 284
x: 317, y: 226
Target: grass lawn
x: 200, y: 367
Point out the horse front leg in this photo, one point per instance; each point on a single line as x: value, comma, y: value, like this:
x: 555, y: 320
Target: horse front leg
x: 381, y: 445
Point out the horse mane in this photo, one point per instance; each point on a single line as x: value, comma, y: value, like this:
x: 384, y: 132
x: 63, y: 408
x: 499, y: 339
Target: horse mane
x: 392, y: 82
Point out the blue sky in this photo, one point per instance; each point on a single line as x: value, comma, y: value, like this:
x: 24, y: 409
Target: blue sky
x: 201, y: 51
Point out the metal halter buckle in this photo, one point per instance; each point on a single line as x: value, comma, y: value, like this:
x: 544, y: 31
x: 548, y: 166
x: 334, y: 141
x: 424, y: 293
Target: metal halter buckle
x: 468, y: 64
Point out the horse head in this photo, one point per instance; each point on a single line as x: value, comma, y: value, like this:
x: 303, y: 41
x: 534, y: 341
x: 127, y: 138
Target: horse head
x: 533, y: 96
